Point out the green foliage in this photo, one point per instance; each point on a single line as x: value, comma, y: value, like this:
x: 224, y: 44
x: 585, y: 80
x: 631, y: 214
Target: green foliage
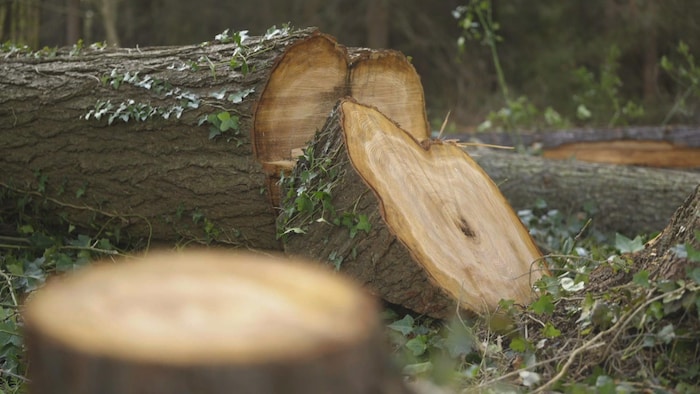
x: 131, y: 110
x: 38, y: 249
x: 77, y: 48
x: 626, y: 245
x: 309, y: 200
x: 477, y: 23
x: 544, y: 305
x: 599, y: 100
x: 686, y: 74
x: 222, y: 123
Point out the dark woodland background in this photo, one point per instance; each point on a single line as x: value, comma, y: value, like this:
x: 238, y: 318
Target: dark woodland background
x: 543, y: 43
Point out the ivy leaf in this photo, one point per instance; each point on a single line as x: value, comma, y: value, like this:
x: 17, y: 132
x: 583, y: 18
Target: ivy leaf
x: 239, y: 96
x: 549, y: 331
x: 218, y: 95
x: 460, y: 341
x: 304, y: 203
x: 363, y: 223
x: 417, y: 345
x: 641, y: 278
x: 16, y: 268
x: 666, y: 334
x: 64, y: 263
x: 626, y: 245
x: 404, y: 326
x: 518, y: 344
x: 656, y: 310
x: 694, y: 275
x: 41, y: 241
x: 417, y: 369
x: 227, y: 121
x: 543, y: 306
x: 83, y: 241
x: 605, y: 384
x: 692, y: 253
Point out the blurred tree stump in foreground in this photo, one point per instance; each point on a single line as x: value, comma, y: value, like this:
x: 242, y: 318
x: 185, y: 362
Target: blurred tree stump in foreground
x: 205, y: 322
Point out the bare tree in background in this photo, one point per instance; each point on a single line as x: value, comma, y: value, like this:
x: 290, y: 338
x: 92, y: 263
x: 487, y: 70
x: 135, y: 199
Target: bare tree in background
x: 109, y: 11
x: 19, y: 22
x: 377, y: 20
x: 72, y: 21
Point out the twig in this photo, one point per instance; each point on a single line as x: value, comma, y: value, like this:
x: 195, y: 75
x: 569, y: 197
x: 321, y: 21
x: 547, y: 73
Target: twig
x: 444, y: 123
x: 9, y: 287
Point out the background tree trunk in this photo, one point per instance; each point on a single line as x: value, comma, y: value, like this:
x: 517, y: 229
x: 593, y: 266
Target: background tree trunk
x: 206, y: 323
x: 664, y: 147
x: 626, y: 199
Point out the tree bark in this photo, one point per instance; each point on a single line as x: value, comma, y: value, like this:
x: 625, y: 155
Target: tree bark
x: 660, y: 256
x: 625, y: 199
x: 206, y: 323
x: 417, y: 223
x: 112, y: 136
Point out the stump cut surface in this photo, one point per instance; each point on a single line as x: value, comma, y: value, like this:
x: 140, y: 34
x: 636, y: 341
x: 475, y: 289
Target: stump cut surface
x: 444, y: 209
x: 203, y: 308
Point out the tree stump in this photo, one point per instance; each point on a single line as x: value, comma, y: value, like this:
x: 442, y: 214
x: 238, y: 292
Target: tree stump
x: 418, y: 223
x: 205, y: 322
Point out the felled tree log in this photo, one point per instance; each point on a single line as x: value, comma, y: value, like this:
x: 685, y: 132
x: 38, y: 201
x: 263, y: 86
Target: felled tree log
x: 416, y: 222
x: 158, y: 173
x: 164, y: 179
x: 626, y: 199
x: 185, y: 142
x: 206, y: 323
x: 112, y: 137
x: 665, y: 147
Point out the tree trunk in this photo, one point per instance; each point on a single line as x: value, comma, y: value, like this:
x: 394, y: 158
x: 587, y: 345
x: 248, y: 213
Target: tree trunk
x: 72, y: 21
x: 661, y: 257
x: 625, y: 199
x: 112, y: 137
x: 669, y: 147
x: 418, y: 223
x: 206, y: 323
x: 153, y: 172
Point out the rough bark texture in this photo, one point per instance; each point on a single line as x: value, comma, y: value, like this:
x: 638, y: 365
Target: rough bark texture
x: 419, y: 224
x: 660, y: 256
x: 627, y: 199
x: 668, y: 147
x: 158, y: 174
x: 205, y: 322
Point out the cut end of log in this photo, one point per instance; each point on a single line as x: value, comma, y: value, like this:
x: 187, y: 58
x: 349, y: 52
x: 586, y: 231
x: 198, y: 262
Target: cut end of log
x: 203, y: 308
x: 445, y: 210
x: 661, y: 154
x: 386, y: 80
x: 309, y: 79
x: 301, y: 91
